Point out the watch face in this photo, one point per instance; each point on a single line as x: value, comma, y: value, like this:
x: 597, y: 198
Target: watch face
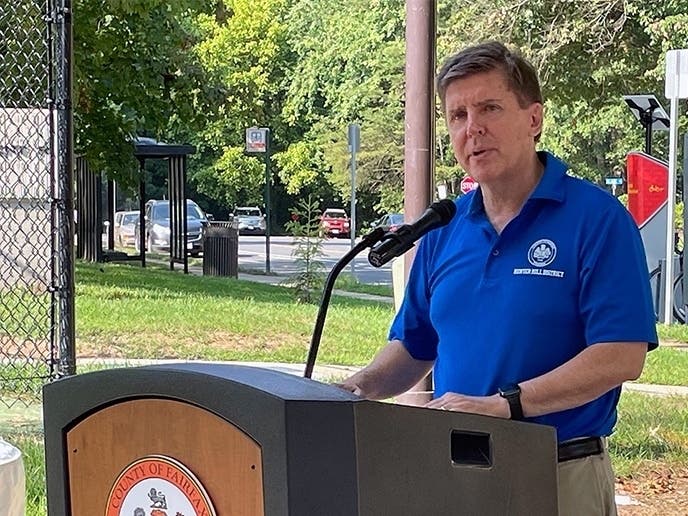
x: 510, y: 390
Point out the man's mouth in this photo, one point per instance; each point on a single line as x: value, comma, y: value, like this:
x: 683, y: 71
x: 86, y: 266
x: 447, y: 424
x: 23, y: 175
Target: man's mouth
x: 479, y: 152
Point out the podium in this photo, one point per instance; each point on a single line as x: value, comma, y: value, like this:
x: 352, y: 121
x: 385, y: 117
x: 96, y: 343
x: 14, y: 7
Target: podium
x: 233, y: 440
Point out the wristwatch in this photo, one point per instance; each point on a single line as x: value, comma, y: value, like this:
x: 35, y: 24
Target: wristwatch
x: 512, y: 394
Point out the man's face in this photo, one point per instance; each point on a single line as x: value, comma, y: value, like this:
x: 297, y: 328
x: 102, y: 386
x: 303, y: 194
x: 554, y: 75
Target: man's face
x: 492, y: 135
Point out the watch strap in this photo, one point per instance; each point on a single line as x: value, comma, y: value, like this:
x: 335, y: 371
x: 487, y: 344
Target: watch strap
x: 512, y: 394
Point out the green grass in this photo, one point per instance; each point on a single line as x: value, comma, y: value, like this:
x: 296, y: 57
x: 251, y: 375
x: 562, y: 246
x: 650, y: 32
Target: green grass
x: 23, y: 380
x: 345, y: 281
x: 674, y: 332
x: 25, y: 313
x: 650, y: 430
x: 666, y: 366
x: 124, y: 311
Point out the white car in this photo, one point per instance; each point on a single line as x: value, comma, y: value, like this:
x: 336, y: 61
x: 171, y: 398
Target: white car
x: 250, y: 220
x: 125, y: 227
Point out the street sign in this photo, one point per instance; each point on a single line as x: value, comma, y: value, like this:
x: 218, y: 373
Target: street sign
x: 468, y: 184
x: 354, y: 137
x: 676, y: 77
x: 613, y: 180
x: 256, y: 139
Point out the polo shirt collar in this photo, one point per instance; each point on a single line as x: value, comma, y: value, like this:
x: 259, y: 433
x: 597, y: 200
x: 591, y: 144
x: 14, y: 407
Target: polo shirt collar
x: 550, y: 186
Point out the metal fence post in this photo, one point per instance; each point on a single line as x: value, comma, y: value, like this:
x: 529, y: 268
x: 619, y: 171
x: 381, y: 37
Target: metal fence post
x: 64, y: 205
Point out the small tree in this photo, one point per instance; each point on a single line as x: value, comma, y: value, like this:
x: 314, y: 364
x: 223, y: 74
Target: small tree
x: 305, y: 227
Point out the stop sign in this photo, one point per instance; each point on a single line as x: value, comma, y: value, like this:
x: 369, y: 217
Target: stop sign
x: 468, y: 184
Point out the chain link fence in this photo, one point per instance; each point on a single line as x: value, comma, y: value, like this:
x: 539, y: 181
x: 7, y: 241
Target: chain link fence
x: 36, y: 226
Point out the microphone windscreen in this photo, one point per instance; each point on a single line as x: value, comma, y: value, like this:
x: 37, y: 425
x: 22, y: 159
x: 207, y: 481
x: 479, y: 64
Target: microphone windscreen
x: 446, y: 209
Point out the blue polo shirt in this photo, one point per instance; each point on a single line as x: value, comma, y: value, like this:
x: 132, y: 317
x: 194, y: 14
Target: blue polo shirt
x: 566, y: 273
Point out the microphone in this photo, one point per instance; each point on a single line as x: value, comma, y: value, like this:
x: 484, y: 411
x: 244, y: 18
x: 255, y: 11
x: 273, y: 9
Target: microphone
x: 396, y: 243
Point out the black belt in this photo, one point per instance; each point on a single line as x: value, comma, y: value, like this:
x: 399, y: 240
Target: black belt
x: 578, y: 448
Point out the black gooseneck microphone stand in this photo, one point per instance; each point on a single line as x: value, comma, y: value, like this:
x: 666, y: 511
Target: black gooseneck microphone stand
x: 367, y: 241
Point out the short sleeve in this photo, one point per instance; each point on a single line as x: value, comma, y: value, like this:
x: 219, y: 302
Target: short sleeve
x: 615, y: 297
x: 412, y: 324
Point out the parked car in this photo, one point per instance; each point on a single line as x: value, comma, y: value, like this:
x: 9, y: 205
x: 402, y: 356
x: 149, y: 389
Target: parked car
x: 157, y: 226
x: 250, y: 220
x: 125, y: 227
x: 390, y: 221
x: 335, y: 222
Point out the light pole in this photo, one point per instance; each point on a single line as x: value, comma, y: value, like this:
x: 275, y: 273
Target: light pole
x: 650, y: 113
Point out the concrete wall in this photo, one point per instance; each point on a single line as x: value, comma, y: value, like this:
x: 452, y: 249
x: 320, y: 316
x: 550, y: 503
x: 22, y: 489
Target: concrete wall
x: 25, y: 198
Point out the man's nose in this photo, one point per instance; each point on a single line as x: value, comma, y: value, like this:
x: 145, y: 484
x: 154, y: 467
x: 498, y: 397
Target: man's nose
x: 474, y: 126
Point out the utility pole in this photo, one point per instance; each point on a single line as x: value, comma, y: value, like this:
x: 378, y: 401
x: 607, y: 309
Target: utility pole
x: 354, y: 146
x: 258, y: 142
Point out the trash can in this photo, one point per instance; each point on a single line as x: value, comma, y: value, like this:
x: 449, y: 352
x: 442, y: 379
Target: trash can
x: 221, y: 249
x: 12, y: 481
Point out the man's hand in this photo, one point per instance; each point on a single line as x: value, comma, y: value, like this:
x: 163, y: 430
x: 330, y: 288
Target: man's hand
x: 493, y: 405
x: 350, y: 385
x: 391, y: 372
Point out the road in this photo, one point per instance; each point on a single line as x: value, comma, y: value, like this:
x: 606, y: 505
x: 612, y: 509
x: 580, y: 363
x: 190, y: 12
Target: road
x: 282, y: 260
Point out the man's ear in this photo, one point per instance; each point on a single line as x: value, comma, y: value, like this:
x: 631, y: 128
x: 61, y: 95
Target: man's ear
x: 536, y: 117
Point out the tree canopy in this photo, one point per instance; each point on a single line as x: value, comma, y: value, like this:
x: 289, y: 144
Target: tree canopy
x: 202, y: 71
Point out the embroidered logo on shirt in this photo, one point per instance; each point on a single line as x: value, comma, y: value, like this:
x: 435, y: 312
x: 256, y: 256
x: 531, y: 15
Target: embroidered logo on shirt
x: 541, y: 254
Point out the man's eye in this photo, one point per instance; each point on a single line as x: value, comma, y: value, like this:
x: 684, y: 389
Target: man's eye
x: 459, y: 115
x: 492, y: 107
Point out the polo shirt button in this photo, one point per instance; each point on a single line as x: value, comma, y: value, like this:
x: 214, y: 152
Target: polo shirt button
x: 495, y: 252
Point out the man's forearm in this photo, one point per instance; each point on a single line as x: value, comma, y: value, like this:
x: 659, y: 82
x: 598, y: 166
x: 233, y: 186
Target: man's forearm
x: 587, y: 376
x: 392, y: 372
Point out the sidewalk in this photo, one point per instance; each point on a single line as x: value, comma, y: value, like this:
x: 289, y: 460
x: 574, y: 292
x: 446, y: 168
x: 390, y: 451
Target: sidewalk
x: 282, y: 280
x: 656, y: 390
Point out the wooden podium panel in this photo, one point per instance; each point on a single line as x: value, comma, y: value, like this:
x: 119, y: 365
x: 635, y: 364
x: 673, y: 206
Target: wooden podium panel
x: 226, y: 461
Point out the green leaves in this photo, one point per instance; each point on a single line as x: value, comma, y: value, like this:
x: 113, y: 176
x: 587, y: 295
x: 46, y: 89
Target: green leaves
x: 132, y: 75
x: 234, y: 178
x: 350, y: 68
x: 201, y: 72
x: 300, y: 166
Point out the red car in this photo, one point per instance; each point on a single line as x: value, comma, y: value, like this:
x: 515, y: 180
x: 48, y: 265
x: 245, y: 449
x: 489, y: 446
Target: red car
x: 335, y: 222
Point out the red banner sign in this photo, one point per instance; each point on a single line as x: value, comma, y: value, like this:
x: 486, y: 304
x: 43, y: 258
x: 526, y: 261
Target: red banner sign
x: 647, y: 185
